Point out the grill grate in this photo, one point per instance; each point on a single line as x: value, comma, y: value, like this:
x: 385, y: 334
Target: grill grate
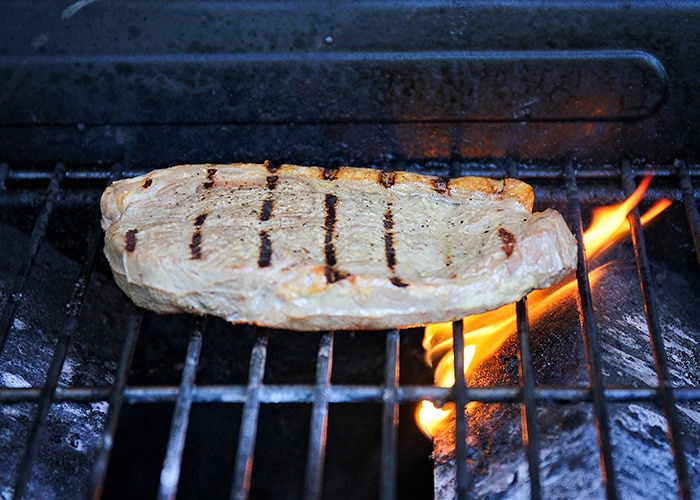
x: 44, y: 190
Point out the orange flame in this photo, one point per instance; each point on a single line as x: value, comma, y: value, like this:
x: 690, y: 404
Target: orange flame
x: 484, y: 333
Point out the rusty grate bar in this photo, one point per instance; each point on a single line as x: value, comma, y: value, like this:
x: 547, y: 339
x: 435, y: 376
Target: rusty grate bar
x: 591, y: 339
x: 665, y: 389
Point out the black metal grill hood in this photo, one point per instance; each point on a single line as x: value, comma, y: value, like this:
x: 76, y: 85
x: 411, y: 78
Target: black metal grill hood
x: 353, y: 82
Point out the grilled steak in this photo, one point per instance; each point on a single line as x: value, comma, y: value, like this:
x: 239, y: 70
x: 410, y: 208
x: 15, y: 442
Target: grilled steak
x: 307, y: 248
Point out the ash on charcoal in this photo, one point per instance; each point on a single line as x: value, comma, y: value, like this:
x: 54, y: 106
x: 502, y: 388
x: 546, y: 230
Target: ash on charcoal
x: 63, y: 465
x: 569, y: 453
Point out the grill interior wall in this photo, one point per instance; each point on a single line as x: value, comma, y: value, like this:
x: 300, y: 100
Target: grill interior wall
x: 286, y: 400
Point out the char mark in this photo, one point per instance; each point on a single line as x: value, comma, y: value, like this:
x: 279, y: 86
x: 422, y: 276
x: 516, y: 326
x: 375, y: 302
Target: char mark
x: 396, y: 281
x: 211, y: 179
x: 272, y: 182
x: 389, y: 250
x: 331, y: 202
x: 271, y: 167
x: 266, y: 211
x: 130, y: 240
x: 387, y: 179
x: 332, y: 274
x: 508, y: 241
x: 147, y: 183
x: 265, y: 255
x: 440, y: 185
x: 196, y: 240
x: 330, y: 174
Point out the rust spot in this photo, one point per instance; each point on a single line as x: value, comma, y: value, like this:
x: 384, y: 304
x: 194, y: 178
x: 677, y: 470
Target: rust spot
x: 396, y: 281
x: 130, y: 240
x: 387, y: 179
x: 440, y: 185
x: 265, y: 249
x: 507, y: 240
x: 147, y: 183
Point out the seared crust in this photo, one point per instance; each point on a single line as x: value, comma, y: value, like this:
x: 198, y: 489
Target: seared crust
x: 307, y: 248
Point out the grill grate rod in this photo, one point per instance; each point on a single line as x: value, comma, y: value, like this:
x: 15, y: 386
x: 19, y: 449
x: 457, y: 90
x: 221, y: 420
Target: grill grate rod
x: 665, y: 389
x: 461, y: 398
x: 390, y: 416
x: 243, y: 467
x: 170, y: 473
x: 530, y: 432
x: 37, y: 235
x: 115, y: 400
x: 691, y: 208
x: 319, y: 419
x: 591, y: 339
x: 65, y: 337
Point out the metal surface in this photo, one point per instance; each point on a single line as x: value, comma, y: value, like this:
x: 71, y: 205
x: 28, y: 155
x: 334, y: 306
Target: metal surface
x: 352, y: 82
x: 321, y: 393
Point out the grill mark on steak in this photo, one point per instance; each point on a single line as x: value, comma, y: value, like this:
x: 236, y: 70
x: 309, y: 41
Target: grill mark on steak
x: 389, y: 250
x: 272, y: 181
x: 507, y: 240
x: 330, y: 174
x: 130, y: 240
x: 440, y: 185
x: 387, y: 179
x: 211, y: 179
x: 196, y: 241
x: 271, y: 167
x: 265, y: 255
x: 266, y: 211
x: 332, y: 274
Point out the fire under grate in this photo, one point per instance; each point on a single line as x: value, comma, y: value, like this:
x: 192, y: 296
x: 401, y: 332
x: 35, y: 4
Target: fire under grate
x: 82, y: 369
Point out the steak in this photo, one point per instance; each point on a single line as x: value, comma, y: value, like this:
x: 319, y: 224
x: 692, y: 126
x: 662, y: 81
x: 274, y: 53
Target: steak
x: 308, y: 248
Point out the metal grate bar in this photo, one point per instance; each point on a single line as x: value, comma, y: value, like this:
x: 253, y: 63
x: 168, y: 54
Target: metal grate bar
x: 38, y: 232
x: 591, y: 339
x: 461, y: 398
x: 116, y: 398
x: 390, y: 417
x: 319, y: 419
x: 170, y: 473
x: 70, y: 325
x: 691, y: 207
x: 249, y: 422
x: 657, y: 344
x: 530, y: 432
x: 346, y: 394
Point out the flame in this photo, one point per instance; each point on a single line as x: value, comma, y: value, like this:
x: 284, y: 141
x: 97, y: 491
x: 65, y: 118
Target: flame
x: 484, y: 333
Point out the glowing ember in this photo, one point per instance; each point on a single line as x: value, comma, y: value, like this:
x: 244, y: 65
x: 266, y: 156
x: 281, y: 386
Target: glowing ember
x: 485, y: 333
